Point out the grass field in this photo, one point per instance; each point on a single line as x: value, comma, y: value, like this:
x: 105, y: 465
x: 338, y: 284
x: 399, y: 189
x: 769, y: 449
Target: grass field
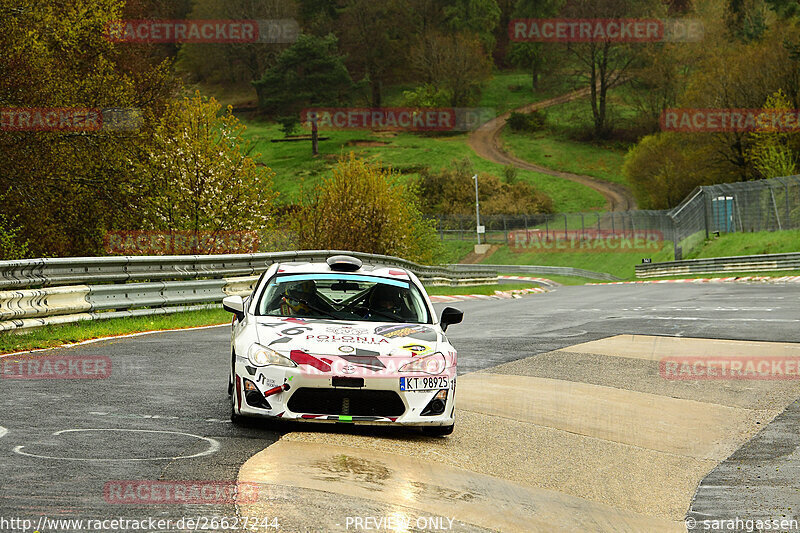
x: 406, y: 152
x: 47, y: 337
x: 558, y: 153
x: 478, y: 289
x: 556, y: 146
x: 620, y: 264
x: 764, y: 242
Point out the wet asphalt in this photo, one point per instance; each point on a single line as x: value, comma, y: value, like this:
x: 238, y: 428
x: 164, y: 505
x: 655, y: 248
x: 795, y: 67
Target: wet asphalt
x: 162, y: 414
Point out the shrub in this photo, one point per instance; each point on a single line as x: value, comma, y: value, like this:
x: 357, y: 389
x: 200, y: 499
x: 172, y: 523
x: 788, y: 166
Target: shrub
x: 527, y: 122
x: 364, y: 207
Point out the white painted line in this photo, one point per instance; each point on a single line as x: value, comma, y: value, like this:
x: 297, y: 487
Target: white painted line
x: 213, y: 447
x: 3, y: 432
x: 708, y: 318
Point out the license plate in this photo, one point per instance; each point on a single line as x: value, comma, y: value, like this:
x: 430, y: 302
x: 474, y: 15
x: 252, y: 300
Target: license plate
x: 431, y: 383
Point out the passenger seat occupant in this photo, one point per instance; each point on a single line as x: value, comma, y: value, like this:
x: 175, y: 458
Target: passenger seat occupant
x: 388, y: 299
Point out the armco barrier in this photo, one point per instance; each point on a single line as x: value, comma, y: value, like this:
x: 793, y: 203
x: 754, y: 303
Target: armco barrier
x: 536, y: 269
x: 747, y: 263
x: 50, y: 291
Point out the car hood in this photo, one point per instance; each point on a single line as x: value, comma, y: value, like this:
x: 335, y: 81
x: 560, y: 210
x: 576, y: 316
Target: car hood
x: 348, y: 339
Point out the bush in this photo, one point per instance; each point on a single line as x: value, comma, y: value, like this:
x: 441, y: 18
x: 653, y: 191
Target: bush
x: 527, y: 122
x: 12, y: 245
x: 363, y: 207
x: 451, y: 191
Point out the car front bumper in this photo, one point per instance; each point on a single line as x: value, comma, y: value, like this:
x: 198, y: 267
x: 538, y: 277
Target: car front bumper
x: 322, y: 398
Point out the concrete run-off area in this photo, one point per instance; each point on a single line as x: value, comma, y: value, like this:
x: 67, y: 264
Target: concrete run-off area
x: 587, y: 438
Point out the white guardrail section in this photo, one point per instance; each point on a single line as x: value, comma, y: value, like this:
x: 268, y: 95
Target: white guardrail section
x: 721, y: 265
x: 38, y: 292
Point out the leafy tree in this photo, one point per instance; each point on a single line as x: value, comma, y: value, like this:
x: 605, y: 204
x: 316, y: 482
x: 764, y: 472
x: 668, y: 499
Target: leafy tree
x: 659, y: 80
x: 456, y: 64
x: 746, y: 19
x: 68, y: 188
x: 603, y: 64
x: 202, y: 176
x: 12, y: 244
x: 662, y: 169
x: 372, y: 43
x: 773, y: 154
x: 740, y: 76
x: 309, y: 73
x: 478, y: 17
x: 364, y: 207
x: 532, y: 56
x: 234, y: 63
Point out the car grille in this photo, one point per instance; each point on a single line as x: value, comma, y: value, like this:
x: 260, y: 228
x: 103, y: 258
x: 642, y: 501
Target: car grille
x: 346, y: 402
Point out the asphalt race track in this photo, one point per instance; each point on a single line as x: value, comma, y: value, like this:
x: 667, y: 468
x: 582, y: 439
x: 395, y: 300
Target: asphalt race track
x: 566, y: 425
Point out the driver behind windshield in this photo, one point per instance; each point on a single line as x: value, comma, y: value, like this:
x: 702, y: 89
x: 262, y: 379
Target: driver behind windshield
x: 301, y: 299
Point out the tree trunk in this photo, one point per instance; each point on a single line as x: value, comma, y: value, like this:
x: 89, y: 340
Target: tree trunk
x: 376, y: 87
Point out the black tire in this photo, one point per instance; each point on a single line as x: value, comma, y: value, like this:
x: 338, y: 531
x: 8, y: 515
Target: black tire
x: 437, y: 431
x: 230, y: 377
x: 237, y: 420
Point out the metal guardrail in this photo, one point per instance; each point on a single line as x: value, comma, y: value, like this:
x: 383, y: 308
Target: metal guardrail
x: 51, y: 291
x: 717, y: 265
x: 537, y: 269
x: 68, y: 271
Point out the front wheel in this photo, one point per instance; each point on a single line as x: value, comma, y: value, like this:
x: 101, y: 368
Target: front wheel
x: 437, y: 431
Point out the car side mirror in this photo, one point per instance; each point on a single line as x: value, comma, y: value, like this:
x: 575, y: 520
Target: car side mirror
x: 235, y: 305
x: 450, y: 315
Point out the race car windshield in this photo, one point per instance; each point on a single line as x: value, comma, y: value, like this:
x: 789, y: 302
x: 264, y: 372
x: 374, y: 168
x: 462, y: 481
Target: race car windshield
x: 344, y: 297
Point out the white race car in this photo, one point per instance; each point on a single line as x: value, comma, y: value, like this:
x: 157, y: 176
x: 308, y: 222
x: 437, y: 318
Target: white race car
x: 342, y: 342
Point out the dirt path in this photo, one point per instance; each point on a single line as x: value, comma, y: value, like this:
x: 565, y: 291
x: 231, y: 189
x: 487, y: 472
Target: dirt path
x: 473, y: 259
x: 485, y: 141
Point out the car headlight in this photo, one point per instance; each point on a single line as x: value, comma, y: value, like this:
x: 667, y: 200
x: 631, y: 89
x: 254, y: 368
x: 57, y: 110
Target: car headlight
x: 262, y: 356
x: 432, y: 364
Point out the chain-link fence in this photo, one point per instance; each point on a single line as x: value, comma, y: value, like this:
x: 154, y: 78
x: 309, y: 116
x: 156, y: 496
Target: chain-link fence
x: 765, y: 205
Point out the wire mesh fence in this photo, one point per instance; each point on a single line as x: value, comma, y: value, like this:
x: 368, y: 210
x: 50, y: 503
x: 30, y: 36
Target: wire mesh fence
x: 764, y: 205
